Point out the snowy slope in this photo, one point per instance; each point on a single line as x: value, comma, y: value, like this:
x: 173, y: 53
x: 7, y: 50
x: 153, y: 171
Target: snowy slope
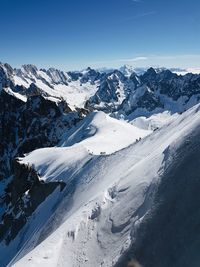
x: 153, y: 122
x: 96, y: 134
x: 99, y: 133
x: 111, y: 196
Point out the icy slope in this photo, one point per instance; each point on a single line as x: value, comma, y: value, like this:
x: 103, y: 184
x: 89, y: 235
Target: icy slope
x: 112, y: 195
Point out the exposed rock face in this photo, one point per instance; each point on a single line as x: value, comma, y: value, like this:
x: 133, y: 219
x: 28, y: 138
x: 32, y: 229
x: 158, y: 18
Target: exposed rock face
x: 114, y: 88
x: 9, y: 116
x: 22, y: 196
x: 6, y: 73
x: 24, y: 127
x: 148, y: 92
x: 172, y: 85
x: 89, y: 75
x: 58, y: 77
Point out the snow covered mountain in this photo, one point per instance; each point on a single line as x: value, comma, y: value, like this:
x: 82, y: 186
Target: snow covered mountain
x: 93, y: 163
x: 51, y: 83
x: 107, y: 199
x: 116, y: 91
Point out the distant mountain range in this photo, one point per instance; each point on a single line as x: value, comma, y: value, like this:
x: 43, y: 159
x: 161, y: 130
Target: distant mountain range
x: 128, y: 70
x: 125, y: 91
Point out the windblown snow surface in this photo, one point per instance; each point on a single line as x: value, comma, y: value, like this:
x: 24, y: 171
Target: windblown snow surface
x: 105, y: 198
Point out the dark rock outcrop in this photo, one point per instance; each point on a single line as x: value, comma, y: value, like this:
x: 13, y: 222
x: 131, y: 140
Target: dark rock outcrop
x: 26, y: 126
x: 22, y: 196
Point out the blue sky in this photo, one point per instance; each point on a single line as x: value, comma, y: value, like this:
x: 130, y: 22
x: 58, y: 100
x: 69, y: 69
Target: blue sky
x: 74, y: 34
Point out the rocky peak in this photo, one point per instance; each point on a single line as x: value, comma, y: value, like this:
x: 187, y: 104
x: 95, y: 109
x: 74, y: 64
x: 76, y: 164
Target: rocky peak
x: 57, y: 76
x: 135, y: 79
x: 6, y: 76
x: 89, y: 75
x: 30, y: 69
x: 75, y: 75
x: 149, y: 75
x: 9, y: 70
x: 167, y: 75
x: 117, y: 75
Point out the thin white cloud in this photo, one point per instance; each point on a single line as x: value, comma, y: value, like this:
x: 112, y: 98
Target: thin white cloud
x: 135, y: 59
x: 171, y: 57
x: 141, y: 15
x: 137, y: 1
x: 153, y: 60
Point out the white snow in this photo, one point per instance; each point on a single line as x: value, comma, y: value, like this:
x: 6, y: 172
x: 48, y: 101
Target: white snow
x: 99, y: 133
x: 58, y: 163
x: 19, y: 81
x: 95, y: 228
x: 155, y: 121
x: 75, y: 92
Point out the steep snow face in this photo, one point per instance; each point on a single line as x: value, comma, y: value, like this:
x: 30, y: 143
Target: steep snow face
x: 111, y: 196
